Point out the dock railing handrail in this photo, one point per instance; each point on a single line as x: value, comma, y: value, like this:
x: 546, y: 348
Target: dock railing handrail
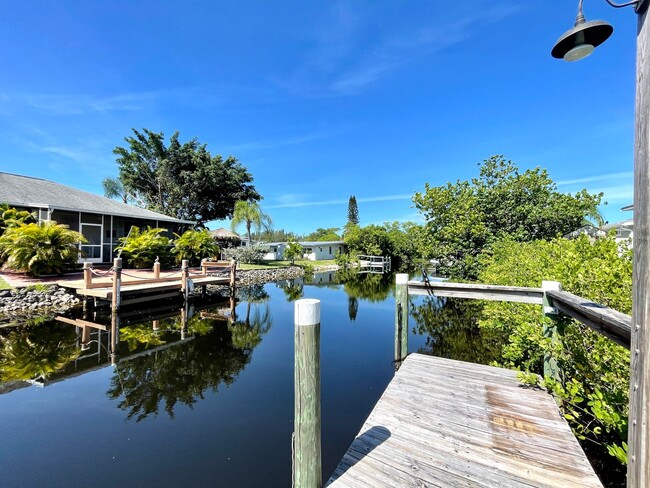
x: 606, y: 321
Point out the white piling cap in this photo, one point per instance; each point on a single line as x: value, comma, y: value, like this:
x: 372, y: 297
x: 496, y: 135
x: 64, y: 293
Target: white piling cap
x: 401, y: 278
x: 307, y: 311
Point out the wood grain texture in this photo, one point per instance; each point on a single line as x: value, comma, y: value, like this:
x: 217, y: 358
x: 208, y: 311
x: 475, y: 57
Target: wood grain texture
x: 606, y: 321
x: 444, y: 423
x: 477, y: 291
x: 638, y: 470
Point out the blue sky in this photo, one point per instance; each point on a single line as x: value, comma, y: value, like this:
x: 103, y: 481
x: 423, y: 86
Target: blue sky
x: 321, y: 100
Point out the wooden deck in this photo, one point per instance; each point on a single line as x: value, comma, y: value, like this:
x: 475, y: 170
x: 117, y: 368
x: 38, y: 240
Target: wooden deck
x: 135, y: 287
x: 444, y: 423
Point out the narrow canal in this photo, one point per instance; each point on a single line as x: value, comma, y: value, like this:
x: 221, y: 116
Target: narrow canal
x: 208, y: 402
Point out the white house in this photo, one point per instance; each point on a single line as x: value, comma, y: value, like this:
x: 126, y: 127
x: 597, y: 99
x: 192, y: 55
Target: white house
x: 312, y: 250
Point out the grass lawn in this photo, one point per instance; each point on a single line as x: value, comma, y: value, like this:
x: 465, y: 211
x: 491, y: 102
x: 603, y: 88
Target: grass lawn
x: 4, y: 285
x: 284, y: 264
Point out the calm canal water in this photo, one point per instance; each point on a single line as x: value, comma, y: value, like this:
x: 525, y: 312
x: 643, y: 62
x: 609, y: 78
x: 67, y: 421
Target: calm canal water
x: 208, y: 404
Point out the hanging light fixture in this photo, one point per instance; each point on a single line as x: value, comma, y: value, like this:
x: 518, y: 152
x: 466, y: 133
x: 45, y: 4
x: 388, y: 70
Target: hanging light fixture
x: 579, y: 42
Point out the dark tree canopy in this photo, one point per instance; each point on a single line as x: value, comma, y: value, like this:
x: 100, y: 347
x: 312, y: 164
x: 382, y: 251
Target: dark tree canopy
x: 463, y: 219
x: 182, y: 180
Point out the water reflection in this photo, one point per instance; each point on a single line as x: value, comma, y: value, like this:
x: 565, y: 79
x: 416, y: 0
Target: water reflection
x: 451, y: 329
x: 35, y: 350
x: 182, y: 373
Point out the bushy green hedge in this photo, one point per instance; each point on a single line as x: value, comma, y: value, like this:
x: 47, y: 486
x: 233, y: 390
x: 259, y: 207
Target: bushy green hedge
x: 44, y: 248
x: 194, y: 245
x: 595, y: 370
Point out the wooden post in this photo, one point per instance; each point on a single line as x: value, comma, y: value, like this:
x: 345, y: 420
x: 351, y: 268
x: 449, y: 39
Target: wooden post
x: 85, y: 338
x: 233, y: 274
x: 88, y: 274
x: 204, y: 268
x: 401, y: 317
x: 549, y: 325
x: 184, y: 273
x: 115, y: 338
x: 156, y: 269
x: 117, y: 284
x: 307, y: 471
x: 638, y: 466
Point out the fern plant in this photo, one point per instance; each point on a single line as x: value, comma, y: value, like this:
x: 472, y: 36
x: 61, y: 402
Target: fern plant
x: 43, y: 248
x: 195, y: 245
x: 141, y: 248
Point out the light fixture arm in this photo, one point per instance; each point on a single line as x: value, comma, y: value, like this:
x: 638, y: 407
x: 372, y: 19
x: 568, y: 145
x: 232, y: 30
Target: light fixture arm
x: 639, y: 5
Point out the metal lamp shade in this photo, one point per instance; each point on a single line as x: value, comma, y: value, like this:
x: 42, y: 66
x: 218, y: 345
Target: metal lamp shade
x: 594, y: 33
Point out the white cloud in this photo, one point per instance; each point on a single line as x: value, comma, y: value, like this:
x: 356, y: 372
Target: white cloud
x: 590, y: 179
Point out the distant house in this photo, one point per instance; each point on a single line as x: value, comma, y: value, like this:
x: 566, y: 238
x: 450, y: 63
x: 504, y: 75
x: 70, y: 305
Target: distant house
x: 312, y: 250
x: 101, y: 220
x: 624, y: 229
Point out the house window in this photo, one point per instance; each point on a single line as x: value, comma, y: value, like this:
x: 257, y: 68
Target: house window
x: 330, y: 249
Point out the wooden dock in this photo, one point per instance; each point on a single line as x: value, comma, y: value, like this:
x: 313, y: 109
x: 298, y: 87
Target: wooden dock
x: 445, y: 423
x: 103, y: 289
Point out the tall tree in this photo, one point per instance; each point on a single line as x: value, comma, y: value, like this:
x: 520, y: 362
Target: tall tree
x: 113, y: 188
x: 464, y: 218
x: 182, y: 180
x: 251, y: 214
x: 353, y: 211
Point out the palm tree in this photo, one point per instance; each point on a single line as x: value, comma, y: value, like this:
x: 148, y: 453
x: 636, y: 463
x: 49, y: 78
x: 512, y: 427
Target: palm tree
x: 251, y: 214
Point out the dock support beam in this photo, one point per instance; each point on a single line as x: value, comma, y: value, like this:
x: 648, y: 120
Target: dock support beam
x: 117, y: 285
x: 549, y: 329
x: 88, y: 274
x: 307, y: 472
x: 638, y: 462
x: 185, y: 265
x: 401, y: 317
x: 156, y: 269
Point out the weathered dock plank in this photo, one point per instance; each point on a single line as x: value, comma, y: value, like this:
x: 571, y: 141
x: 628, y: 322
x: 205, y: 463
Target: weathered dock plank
x: 445, y: 423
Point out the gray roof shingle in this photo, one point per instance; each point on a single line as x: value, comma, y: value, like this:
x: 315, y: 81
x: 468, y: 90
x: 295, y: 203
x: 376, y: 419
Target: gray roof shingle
x: 26, y: 191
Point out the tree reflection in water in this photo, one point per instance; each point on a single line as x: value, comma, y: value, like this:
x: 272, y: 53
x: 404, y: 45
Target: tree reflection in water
x: 215, y: 354
x: 451, y: 325
x: 36, y: 349
x: 368, y: 286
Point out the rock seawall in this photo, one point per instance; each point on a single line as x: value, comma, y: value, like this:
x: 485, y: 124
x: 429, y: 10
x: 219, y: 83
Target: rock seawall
x: 52, y: 298
x: 21, y: 301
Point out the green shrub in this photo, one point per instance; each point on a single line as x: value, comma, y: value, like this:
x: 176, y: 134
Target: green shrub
x: 293, y: 251
x: 38, y: 249
x: 10, y: 217
x: 195, y: 245
x: 141, y: 248
x: 247, y: 254
x: 594, y: 370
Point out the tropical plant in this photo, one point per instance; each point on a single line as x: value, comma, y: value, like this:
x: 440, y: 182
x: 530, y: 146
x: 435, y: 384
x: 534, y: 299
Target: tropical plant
x: 195, y: 245
x: 142, y: 248
x: 43, y: 248
x: 10, y: 217
x: 464, y: 218
x: 182, y: 180
x: 250, y: 214
x: 293, y: 251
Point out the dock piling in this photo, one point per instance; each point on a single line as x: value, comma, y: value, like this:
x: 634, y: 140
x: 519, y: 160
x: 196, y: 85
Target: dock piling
x: 88, y: 274
x: 401, y: 317
x: 117, y: 284
x: 550, y: 329
x: 307, y: 471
